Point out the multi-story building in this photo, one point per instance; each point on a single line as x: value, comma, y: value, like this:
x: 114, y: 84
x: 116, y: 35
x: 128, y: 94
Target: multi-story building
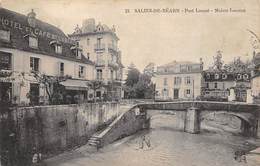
x: 255, y: 81
x: 28, y: 46
x: 100, y: 43
x: 220, y: 84
x: 178, y: 80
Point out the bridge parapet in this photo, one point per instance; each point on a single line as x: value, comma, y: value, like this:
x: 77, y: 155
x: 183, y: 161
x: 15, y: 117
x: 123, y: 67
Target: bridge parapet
x: 203, y: 105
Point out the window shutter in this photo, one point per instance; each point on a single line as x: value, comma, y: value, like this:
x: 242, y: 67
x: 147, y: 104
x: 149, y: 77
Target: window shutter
x: 85, y: 71
x: 16, y: 92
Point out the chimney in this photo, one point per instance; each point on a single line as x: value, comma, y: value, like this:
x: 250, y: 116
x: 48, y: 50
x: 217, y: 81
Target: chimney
x: 88, y: 25
x: 32, y: 14
x: 31, y: 18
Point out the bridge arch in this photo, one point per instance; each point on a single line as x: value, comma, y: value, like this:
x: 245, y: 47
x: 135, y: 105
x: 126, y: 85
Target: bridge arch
x: 245, y: 118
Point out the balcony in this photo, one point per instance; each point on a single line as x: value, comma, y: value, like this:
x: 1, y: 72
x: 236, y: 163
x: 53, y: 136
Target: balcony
x: 112, y: 48
x: 115, y: 82
x: 113, y: 64
x: 100, y: 62
x: 5, y: 73
x: 99, y: 47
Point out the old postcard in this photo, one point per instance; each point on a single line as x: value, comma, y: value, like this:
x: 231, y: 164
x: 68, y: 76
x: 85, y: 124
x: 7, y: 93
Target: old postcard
x: 130, y: 82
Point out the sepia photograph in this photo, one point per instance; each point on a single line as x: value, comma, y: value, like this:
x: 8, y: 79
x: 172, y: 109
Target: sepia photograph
x: 130, y: 83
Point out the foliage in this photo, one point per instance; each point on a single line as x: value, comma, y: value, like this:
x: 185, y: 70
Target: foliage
x: 237, y: 65
x: 149, y: 69
x: 132, y: 76
x: 95, y: 85
x: 138, y: 85
x: 144, y: 87
x: 52, y: 87
x: 218, y: 63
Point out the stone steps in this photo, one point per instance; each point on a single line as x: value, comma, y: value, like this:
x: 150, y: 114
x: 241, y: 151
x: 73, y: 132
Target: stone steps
x: 94, y: 141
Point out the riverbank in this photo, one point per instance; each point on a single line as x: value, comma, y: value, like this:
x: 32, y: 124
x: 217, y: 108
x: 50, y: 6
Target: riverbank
x: 168, y: 147
x: 253, y: 157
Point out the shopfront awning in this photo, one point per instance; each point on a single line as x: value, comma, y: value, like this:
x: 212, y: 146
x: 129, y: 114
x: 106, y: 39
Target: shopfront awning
x: 80, y: 85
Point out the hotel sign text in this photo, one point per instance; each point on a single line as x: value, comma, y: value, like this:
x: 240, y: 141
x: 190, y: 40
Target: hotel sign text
x: 36, y: 31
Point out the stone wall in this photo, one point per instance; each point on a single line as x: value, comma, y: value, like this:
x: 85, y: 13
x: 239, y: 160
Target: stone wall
x: 126, y: 124
x: 53, y: 129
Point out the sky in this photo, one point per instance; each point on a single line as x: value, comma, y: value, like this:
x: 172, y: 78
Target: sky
x: 158, y: 37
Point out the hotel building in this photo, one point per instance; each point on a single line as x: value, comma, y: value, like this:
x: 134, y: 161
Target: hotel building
x: 100, y: 43
x: 29, y: 45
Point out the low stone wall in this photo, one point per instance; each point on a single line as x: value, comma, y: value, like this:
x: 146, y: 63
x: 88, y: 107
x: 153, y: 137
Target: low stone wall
x: 53, y: 129
x: 126, y: 124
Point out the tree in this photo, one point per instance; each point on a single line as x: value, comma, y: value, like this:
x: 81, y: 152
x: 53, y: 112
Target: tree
x: 218, y: 63
x: 149, y: 69
x: 51, y: 85
x: 95, y: 85
x: 132, y: 75
x: 144, y: 87
x: 237, y: 65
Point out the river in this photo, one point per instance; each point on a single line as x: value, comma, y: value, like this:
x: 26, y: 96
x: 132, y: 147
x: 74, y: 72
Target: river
x: 168, y: 147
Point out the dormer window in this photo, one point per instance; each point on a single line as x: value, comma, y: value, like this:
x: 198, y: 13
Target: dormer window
x: 58, y: 49
x: 5, y: 35
x: 78, y: 53
x: 33, y: 42
x: 57, y: 46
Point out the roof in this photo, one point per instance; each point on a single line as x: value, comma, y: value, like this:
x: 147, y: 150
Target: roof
x: 173, y: 63
x: 20, y: 27
x: 94, y: 30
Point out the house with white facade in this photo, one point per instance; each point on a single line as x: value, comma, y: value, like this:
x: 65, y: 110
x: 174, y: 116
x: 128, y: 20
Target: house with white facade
x: 178, y: 80
x: 29, y: 45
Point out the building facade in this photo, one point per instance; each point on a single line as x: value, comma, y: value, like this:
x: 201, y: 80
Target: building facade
x: 100, y: 43
x: 220, y: 85
x: 255, y: 81
x: 29, y: 46
x: 178, y: 81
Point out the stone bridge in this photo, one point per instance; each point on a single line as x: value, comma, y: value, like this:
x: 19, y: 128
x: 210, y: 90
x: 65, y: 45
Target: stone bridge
x: 191, y: 114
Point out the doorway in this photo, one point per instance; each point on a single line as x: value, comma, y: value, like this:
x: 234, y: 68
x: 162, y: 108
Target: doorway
x: 176, y: 93
x: 34, y: 93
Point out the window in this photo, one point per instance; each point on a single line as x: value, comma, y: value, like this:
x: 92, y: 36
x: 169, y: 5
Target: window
x: 5, y: 35
x: 99, y: 74
x: 187, y: 92
x: 34, y: 64
x: 216, y: 85
x: 188, y: 80
x: 99, y: 42
x: 188, y: 68
x: 33, y: 42
x: 61, y: 69
x: 165, y: 92
x: 112, y: 75
x: 177, y: 80
x: 216, y: 76
x: 58, y: 49
x: 224, y: 76
x: 78, y: 54
x: 207, y: 85
x: 165, y: 81
x: 81, y: 72
x: 5, y: 61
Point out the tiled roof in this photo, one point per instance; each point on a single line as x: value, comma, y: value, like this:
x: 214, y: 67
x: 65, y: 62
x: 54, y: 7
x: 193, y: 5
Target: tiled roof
x: 19, y: 27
